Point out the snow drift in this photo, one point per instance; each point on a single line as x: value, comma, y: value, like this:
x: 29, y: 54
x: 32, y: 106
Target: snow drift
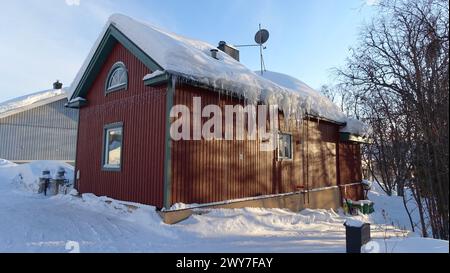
x: 26, y: 176
x: 101, y: 224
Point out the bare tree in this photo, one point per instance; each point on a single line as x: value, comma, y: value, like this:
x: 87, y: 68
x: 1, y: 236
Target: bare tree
x: 398, y: 77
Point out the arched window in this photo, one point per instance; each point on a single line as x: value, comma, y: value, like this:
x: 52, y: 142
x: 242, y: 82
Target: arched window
x: 117, y: 78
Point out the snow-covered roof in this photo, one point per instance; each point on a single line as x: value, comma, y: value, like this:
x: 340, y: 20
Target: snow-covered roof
x: 318, y: 100
x: 356, y: 127
x: 24, y: 103
x: 318, y: 103
x: 191, y: 59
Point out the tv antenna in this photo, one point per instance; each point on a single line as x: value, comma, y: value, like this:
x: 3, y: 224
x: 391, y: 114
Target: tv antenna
x: 261, y: 37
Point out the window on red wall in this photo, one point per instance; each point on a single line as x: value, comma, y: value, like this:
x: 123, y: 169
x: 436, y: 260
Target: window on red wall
x: 112, y: 146
x: 117, y: 78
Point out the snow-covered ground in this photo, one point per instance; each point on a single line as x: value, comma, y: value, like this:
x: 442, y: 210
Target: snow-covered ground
x: 26, y: 176
x: 34, y: 223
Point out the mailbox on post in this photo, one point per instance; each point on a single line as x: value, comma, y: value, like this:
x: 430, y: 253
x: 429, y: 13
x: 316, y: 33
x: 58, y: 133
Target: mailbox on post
x: 357, y: 233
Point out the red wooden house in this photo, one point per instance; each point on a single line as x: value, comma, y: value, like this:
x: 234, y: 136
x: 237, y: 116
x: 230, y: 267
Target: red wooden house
x: 125, y: 91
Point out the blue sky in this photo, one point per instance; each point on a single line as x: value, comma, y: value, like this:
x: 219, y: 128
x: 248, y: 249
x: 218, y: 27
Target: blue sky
x: 45, y: 40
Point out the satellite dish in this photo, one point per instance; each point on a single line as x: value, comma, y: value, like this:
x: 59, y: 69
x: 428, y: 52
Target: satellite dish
x: 261, y: 36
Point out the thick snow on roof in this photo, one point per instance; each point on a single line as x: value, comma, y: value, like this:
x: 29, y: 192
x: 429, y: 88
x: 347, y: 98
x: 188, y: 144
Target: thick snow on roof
x: 318, y: 101
x: 287, y: 81
x: 191, y: 59
x: 319, y: 104
x: 357, y: 127
x: 30, y: 100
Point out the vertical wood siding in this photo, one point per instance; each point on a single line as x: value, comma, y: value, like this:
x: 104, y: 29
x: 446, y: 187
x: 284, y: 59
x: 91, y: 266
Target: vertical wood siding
x: 47, y: 132
x: 210, y: 171
x: 142, y: 111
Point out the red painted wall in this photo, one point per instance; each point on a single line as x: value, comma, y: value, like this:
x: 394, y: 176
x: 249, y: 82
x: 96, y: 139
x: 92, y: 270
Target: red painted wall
x: 211, y: 171
x: 142, y: 111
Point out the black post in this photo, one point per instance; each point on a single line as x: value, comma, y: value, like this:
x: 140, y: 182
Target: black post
x: 45, y: 186
x: 46, y: 179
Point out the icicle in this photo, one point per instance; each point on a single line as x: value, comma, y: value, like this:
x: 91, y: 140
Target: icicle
x: 174, y: 81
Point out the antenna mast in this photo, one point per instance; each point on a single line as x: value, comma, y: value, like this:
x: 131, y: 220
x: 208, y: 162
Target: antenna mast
x: 261, y: 37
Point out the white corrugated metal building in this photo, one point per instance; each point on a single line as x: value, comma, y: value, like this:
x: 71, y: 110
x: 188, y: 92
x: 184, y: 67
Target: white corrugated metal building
x: 38, y: 127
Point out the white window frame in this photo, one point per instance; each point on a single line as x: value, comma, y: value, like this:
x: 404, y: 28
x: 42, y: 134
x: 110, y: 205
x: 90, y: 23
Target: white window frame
x: 291, y: 137
x: 112, y: 71
x: 108, y: 128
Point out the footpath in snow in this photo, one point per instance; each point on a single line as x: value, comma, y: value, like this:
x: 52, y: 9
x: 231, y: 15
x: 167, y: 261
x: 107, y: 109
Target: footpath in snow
x: 35, y: 223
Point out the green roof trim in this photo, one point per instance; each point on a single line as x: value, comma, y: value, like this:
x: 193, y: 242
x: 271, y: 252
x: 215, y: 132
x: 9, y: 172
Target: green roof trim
x: 352, y: 138
x: 76, y: 104
x: 168, y: 147
x: 109, y: 40
x: 158, y: 80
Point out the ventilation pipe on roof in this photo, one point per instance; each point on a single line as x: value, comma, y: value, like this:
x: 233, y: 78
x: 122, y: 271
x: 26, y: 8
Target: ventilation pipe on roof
x: 214, y: 53
x: 57, y: 85
x: 231, y: 51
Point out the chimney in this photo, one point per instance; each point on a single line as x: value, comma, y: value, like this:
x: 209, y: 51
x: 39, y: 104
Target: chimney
x: 214, y: 53
x: 57, y: 85
x: 231, y: 51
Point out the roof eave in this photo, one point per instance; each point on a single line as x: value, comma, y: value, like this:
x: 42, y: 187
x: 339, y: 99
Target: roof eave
x: 350, y: 137
x: 157, y: 80
x: 76, y: 104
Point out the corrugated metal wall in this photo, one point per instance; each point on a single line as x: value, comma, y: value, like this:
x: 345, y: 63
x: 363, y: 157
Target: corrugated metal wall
x: 350, y: 162
x: 350, y: 169
x: 142, y: 111
x: 217, y: 170
x: 207, y: 171
x: 320, y: 153
x: 47, y: 132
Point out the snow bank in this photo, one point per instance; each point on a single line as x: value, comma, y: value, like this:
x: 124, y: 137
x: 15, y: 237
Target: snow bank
x: 406, y: 245
x: 389, y: 210
x: 190, y: 59
x: 6, y: 163
x: 26, y: 176
x: 260, y: 221
x: 102, y: 224
x: 135, y: 213
x: 30, y: 99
